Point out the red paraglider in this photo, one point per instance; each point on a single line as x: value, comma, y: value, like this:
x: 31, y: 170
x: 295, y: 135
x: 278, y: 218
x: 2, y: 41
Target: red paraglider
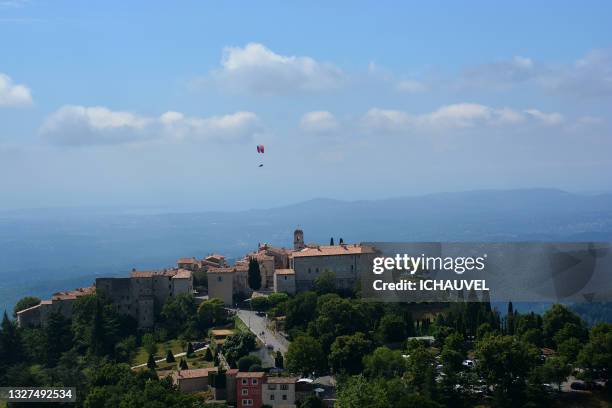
x: 260, y: 150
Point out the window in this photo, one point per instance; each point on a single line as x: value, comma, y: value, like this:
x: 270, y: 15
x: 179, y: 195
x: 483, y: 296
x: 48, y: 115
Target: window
x: 245, y: 391
x: 317, y: 270
x: 219, y: 278
x: 284, y: 387
x: 254, y: 382
x: 308, y: 270
x: 247, y: 402
x: 271, y: 386
x: 272, y: 397
x: 245, y: 381
x: 284, y: 397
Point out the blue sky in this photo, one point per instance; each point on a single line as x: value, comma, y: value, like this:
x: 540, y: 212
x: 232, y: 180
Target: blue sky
x: 159, y: 104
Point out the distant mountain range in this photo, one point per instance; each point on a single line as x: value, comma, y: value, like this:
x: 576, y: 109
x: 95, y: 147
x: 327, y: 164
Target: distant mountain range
x: 42, y: 251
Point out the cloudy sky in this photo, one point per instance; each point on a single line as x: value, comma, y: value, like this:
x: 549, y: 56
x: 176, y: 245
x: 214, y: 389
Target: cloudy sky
x: 159, y: 104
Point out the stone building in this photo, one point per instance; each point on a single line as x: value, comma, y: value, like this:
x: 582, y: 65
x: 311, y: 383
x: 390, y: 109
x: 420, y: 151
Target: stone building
x: 346, y: 261
x: 193, y: 380
x: 279, y: 392
x: 284, y: 281
x: 221, y: 284
x: 145, y: 291
x: 60, y: 302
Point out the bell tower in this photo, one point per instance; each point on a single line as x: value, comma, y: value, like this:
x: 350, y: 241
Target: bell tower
x: 298, y: 240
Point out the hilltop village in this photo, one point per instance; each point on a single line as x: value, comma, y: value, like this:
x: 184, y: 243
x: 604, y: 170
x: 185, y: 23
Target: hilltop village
x: 287, y: 328
x: 281, y: 269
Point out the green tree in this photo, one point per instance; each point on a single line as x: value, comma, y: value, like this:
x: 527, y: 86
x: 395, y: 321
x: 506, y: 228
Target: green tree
x: 384, y: 363
x: 237, y: 346
x: 311, y: 401
x: 346, y: 353
x: 419, y: 368
x: 11, y: 350
x: 244, y: 363
x: 596, y: 356
x: 96, y: 325
x: 183, y: 364
x: 392, y: 329
x: 25, y: 303
x: 212, y: 312
x: 150, y: 343
x: 58, y: 337
x: 189, y: 352
x: 357, y: 392
x: 555, y: 370
x: 555, y: 319
x: 208, y: 355
x: 277, y: 298
x: 177, y: 312
x: 331, y: 241
x: 151, y: 362
x: 254, y: 274
x: 260, y: 303
x: 569, y: 349
x: 305, y: 356
x: 505, y: 362
x: 170, y: 357
x: 301, y: 310
x: 279, y: 360
x: 325, y: 283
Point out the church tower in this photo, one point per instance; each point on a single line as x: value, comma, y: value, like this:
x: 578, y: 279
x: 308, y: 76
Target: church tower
x: 298, y: 239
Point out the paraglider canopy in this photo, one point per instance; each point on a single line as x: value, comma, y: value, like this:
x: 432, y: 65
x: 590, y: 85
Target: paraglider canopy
x: 260, y: 148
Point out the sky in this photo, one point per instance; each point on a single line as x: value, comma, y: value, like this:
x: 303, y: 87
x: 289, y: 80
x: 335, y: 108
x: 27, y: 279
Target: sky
x: 162, y: 104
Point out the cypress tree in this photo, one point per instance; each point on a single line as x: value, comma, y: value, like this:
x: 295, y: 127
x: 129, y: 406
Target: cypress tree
x: 208, y: 355
x: 189, y: 349
x: 151, y: 362
x: 183, y: 364
x: 10, y: 343
x: 331, y: 241
x: 254, y: 274
x: 170, y: 357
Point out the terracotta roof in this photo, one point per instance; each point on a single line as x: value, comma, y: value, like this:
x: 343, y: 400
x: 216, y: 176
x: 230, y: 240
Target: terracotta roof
x: 195, y: 373
x: 256, y: 374
x: 73, y: 294
x: 284, y: 272
x: 182, y: 274
x: 186, y: 261
x: 282, y: 380
x: 333, y: 250
x: 221, y: 270
x: 241, y: 267
x: 215, y: 256
x: 232, y: 371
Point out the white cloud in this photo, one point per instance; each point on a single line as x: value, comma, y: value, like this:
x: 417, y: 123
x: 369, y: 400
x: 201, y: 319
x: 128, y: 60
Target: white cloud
x: 11, y: 94
x: 319, y: 122
x: 546, y: 118
x: 79, y: 125
x: 255, y: 68
x: 386, y: 120
x: 589, y: 76
x: 411, y: 86
x: 456, y: 116
x: 500, y: 74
